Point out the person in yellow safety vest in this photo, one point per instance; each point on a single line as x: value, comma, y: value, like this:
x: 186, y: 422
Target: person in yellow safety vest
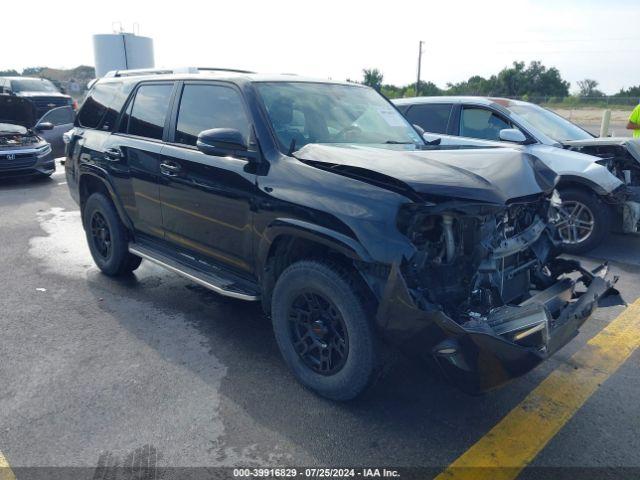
x: 634, y: 122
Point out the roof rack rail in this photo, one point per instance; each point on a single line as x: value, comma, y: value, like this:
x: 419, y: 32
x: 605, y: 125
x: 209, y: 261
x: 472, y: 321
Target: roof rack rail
x: 149, y: 71
x: 166, y: 71
x: 215, y: 69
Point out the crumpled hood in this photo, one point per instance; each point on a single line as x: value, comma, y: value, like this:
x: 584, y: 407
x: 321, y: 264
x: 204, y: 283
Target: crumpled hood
x: 632, y: 144
x: 17, y: 111
x: 484, y: 174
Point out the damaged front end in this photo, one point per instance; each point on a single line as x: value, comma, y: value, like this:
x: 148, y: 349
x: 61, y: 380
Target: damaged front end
x: 621, y: 156
x: 484, y: 295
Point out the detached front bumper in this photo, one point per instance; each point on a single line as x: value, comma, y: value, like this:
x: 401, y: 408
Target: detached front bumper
x: 511, y: 341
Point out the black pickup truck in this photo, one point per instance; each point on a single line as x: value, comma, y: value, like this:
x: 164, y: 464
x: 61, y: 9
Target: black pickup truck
x: 319, y: 200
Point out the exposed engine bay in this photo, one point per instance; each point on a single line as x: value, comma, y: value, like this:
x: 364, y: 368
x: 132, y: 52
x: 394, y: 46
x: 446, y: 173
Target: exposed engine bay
x: 469, y: 278
x: 12, y: 139
x: 487, y: 267
x: 618, y: 158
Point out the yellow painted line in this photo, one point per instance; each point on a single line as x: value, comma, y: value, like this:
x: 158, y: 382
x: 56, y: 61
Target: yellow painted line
x: 516, y: 440
x: 5, y: 469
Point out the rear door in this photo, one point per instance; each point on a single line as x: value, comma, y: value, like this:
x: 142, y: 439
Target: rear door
x: 132, y: 154
x: 206, y: 199
x: 431, y: 117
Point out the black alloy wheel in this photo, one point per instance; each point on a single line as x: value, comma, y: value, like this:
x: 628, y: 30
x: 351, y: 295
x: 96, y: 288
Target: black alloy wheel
x: 318, y: 333
x: 101, y: 235
x: 107, y: 237
x: 324, y: 328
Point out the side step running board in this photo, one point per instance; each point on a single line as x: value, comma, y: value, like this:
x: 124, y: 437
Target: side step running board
x: 213, y: 282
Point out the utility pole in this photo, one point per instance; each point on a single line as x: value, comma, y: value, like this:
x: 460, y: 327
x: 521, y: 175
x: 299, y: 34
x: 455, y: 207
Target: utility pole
x: 419, y: 65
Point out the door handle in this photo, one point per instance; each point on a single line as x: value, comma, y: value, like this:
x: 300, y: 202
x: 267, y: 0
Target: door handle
x: 170, y: 169
x: 113, y: 154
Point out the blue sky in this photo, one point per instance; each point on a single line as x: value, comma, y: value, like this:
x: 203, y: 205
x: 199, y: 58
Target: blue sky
x: 338, y: 38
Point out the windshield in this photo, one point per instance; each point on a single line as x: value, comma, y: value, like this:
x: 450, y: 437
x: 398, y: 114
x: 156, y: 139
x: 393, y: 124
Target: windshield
x: 33, y: 85
x: 302, y: 113
x: 549, y: 123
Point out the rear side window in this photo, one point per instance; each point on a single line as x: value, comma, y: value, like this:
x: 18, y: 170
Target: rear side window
x: 94, y: 106
x: 432, y: 118
x: 120, y: 93
x: 101, y: 108
x: 149, y: 111
x: 203, y: 107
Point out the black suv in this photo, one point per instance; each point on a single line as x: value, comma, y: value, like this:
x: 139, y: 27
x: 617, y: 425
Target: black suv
x: 319, y: 200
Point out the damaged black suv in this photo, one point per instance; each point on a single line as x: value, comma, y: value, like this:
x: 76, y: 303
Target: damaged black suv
x: 319, y: 200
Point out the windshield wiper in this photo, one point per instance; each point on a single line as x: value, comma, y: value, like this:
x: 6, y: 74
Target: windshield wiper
x: 396, y: 142
x: 292, y: 147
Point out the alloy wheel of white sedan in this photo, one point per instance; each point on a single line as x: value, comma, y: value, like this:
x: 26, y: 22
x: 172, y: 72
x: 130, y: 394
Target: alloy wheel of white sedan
x: 575, y: 222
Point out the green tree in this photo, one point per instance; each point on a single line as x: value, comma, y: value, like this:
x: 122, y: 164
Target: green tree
x: 589, y: 88
x: 32, y: 71
x: 373, y: 78
x: 429, y: 89
x: 392, y: 91
x: 519, y: 80
x: 476, y: 85
x: 631, y: 92
x: 9, y: 73
x: 535, y: 80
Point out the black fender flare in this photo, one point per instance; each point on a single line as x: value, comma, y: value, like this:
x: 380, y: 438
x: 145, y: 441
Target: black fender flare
x: 340, y: 242
x: 101, y: 175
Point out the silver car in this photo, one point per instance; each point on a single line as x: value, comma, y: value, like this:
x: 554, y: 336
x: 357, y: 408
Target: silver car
x: 594, y: 196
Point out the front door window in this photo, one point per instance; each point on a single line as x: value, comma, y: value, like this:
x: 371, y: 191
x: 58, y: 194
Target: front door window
x: 476, y: 122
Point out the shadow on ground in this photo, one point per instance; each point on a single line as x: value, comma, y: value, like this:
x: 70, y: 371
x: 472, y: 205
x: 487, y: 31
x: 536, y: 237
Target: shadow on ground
x: 409, y: 418
x: 408, y: 414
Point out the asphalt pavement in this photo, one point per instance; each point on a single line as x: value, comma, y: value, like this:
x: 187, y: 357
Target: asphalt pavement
x: 151, y: 369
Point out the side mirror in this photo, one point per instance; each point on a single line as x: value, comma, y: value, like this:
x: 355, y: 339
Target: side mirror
x: 431, y: 139
x: 512, y: 135
x: 222, y: 141
x: 419, y: 129
x: 41, y: 127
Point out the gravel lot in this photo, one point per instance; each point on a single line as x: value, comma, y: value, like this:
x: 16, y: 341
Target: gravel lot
x: 97, y: 372
x: 591, y: 118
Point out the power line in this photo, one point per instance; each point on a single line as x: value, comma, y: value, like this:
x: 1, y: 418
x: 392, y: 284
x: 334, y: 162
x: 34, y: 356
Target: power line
x: 546, y: 52
x: 586, y: 40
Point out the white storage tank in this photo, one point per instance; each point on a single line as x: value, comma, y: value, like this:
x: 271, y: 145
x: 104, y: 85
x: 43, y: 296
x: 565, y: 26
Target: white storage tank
x: 121, y: 51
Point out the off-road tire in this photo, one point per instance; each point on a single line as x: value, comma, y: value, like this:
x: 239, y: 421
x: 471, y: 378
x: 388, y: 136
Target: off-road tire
x: 117, y: 261
x: 330, y: 282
